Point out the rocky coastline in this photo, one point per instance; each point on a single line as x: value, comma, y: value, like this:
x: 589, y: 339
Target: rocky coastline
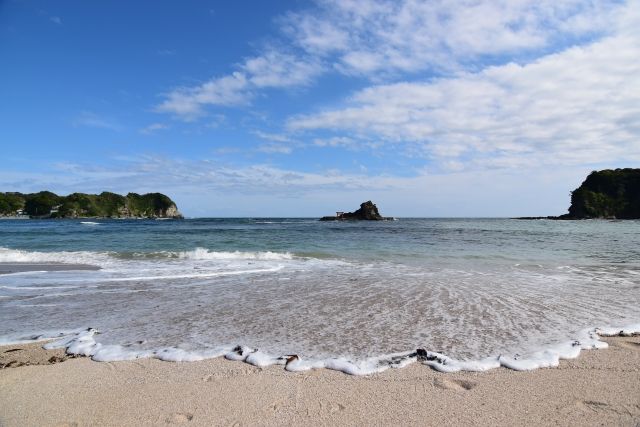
x: 48, y: 205
x: 612, y: 194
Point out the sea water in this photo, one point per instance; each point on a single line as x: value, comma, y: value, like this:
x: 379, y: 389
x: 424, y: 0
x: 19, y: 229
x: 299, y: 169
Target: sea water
x: 353, y: 296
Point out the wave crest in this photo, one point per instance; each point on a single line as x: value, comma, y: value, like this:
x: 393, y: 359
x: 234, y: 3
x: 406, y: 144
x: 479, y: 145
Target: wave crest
x: 198, y: 254
x: 206, y: 254
x: 16, y: 255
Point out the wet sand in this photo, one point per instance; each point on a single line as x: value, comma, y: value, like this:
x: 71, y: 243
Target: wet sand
x: 22, y: 267
x: 601, y: 387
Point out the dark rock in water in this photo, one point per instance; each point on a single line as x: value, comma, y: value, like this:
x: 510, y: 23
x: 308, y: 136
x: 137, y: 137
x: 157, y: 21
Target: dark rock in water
x: 367, y: 212
x: 422, y: 354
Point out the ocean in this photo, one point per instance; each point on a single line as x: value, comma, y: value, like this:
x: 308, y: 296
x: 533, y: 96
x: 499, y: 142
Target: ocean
x: 354, y: 296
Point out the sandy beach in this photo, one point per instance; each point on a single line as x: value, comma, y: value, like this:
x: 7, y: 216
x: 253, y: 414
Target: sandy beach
x: 45, y: 388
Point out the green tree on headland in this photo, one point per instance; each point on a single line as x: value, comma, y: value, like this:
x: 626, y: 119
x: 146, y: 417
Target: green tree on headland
x: 11, y: 202
x: 41, y: 203
x: 607, y: 194
x: 80, y: 205
x: 148, y: 203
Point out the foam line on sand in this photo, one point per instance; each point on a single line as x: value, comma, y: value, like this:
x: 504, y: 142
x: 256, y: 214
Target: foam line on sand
x: 598, y: 388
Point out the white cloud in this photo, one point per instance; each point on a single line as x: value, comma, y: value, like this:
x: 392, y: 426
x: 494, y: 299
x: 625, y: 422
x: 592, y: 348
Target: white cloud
x: 90, y: 119
x: 335, y: 141
x: 56, y: 20
x: 279, y: 143
x: 271, y: 70
x: 275, y: 137
x: 276, y: 69
x: 381, y: 38
x: 153, y: 128
x: 369, y: 37
x: 314, y: 34
x: 275, y: 148
x: 578, y: 106
x: 187, y: 103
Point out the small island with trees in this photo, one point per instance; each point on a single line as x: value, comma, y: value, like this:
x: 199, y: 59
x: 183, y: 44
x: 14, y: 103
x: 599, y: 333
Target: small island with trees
x: 46, y: 204
x: 605, y: 194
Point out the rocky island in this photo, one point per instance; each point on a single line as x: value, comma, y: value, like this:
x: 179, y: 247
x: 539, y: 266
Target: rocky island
x: 609, y: 193
x: 367, y: 212
x: 605, y: 194
x: 46, y: 204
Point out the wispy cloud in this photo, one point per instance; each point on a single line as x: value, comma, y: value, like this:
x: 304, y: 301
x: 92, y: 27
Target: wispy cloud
x: 275, y: 148
x: 90, y: 119
x: 207, y: 174
x: 578, y: 106
x: 153, y: 128
x: 370, y: 37
x: 273, y: 69
x: 381, y: 38
x: 280, y: 143
x: 276, y: 69
x: 275, y: 137
x: 204, y: 187
x: 336, y: 141
x: 166, y: 52
x: 53, y: 18
x: 187, y: 103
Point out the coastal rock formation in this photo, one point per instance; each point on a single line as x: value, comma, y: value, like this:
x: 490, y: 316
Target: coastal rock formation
x: 367, y: 212
x: 46, y: 204
x: 611, y: 194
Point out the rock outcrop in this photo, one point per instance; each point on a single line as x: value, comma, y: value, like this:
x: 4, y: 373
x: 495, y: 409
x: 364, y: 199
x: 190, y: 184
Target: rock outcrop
x: 367, y: 212
x: 609, y: 193
x: 80, y: 205
x: 605, y: 194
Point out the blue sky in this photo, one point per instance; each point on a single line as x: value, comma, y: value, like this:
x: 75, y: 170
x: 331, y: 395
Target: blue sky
x: 254, y: 108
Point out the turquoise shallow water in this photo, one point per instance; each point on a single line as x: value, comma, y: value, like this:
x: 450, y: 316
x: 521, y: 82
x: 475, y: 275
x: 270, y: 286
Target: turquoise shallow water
x: 418, y: 239
x: 469, y: 288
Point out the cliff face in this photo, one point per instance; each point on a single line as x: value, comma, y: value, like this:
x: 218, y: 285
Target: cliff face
x: 607, y: 194
x: 367, y: 212
x: 78, y: 205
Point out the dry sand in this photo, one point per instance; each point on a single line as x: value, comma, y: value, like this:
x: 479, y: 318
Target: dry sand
x: 601, y: 387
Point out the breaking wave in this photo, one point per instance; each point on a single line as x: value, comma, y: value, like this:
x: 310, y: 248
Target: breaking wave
x: 89, y: 257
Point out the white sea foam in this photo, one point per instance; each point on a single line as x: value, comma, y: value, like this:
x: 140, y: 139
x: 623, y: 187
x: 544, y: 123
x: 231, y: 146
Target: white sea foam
x: 182, y: 276
x: 624, y: 331
x: 26, y: 337
x: 24, y: 273
x: 89, y: 223
x: 205, y: 254
x: 100, y: 258
x: 79, y: 257
x: 82, y: 342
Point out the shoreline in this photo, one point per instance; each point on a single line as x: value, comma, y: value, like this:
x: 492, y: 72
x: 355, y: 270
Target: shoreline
x: 28, y: 267
x: 81, y: 343
x: 599, y: 387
